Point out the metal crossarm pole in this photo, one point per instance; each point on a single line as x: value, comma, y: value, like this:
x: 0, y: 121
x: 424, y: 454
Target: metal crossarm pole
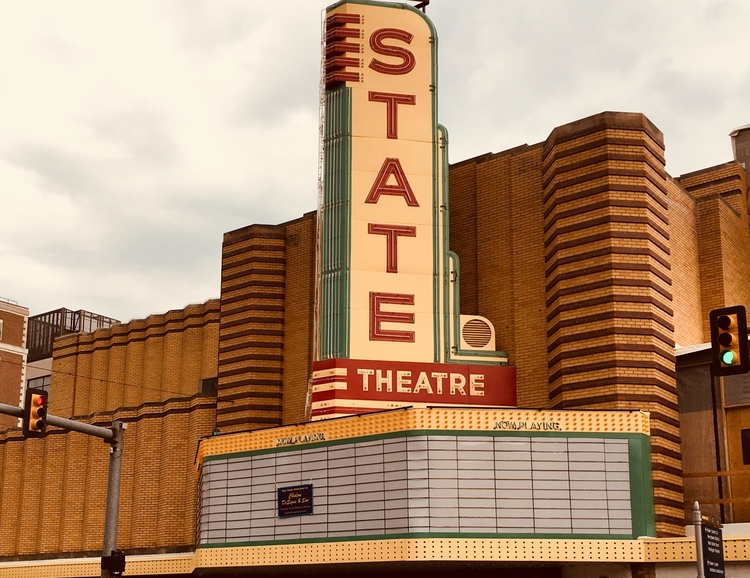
x: 112, y: 436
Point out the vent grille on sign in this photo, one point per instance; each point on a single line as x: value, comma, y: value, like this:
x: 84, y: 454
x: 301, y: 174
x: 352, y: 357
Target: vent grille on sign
x: 476, y: 333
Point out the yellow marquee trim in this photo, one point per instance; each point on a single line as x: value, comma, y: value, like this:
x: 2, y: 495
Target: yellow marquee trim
x: 656, y: 550
x: 434, y: 418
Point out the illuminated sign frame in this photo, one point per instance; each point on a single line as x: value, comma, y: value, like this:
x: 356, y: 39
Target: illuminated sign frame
x: 389, y: 284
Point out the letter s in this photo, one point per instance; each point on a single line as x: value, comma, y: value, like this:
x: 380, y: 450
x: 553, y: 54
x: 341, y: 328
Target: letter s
x: 407, y: 57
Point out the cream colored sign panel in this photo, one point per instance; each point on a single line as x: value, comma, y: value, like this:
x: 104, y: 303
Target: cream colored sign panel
x: 392, y: 300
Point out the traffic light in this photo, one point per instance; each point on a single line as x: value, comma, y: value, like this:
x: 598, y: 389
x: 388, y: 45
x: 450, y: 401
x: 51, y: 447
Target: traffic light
x: 34, y: 413
x: 729, y: 348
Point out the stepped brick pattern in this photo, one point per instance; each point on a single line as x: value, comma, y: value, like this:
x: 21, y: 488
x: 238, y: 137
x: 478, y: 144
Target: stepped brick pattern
x: 126, y: 365
x: 267, y: 292
x: 608, y: 284
x: 146, y: 373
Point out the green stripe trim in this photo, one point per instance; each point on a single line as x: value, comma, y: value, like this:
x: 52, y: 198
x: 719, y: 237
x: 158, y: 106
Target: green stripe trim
x: 336, y: 219
x: 641, y: 486
x: 424, y: 535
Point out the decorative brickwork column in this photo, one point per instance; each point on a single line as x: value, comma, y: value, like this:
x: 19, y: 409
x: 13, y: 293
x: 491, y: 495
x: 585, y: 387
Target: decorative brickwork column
x: 251, y: 331
x: 723, y: 247
x: 609, y: 301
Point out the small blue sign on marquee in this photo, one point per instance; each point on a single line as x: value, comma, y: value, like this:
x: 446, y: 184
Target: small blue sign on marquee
x: 295, y: 500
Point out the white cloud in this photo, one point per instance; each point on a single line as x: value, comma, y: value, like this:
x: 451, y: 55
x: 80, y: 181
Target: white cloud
x: 134, y: 135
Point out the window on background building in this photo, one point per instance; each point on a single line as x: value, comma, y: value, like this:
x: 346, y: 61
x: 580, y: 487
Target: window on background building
x: 745, y: 446
x: 40, y: 382
x: 209, y: 386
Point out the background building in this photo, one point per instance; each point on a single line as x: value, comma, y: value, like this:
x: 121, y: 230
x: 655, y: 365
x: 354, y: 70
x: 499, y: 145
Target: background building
x: 13, y: 325
x: 44, y: 329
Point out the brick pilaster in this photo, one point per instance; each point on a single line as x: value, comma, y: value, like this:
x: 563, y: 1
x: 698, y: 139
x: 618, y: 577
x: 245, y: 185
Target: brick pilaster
x: 608, y: 284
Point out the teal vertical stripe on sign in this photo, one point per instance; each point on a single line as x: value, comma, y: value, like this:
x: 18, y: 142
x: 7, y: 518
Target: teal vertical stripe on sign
x: 336, y: 219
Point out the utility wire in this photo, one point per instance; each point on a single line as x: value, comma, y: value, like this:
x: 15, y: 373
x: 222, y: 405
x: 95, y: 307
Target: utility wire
x: 79, y: 376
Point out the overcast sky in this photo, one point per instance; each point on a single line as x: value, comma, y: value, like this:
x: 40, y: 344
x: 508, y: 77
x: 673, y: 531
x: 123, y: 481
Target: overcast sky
x: 134, y: 134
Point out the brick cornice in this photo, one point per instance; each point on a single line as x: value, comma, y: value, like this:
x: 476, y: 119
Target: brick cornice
x: 626, y: 121
x: 251, y: 248
x: 604, y: 235
x: 551, y: 170
x: 608, y: 348
x: 607, y: 220
x: 612, y: 398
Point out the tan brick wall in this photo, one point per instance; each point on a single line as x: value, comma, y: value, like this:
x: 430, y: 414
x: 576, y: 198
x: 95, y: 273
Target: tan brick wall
x: 720, y: 193
x: 566, y: 248
x: 609, y: 284
x: 53, y: 489
x: 686, y: 286
x: 301, y: 239
x: 463, y: 232
x: 496, y: 229
x: 266, y: 335
x: 146, y: 360
x: 147, y: 374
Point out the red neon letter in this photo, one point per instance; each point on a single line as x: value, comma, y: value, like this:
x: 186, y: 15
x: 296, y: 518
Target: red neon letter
x: 392, y: 233
x: 392, y: 101
x: 400, y: 189
x: 377, y: 317
x: 407, y: 58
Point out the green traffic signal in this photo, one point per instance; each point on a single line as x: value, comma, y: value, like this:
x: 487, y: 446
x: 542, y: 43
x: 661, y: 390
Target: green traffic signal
x: 727, y: 357
x: 730, y: 351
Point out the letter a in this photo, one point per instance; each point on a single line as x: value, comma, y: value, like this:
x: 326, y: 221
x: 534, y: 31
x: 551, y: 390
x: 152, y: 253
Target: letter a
x: 400, y: 189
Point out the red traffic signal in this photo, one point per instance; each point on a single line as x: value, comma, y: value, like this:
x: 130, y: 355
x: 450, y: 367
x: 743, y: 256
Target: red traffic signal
x: 34, y: 413
x: 729, y: 346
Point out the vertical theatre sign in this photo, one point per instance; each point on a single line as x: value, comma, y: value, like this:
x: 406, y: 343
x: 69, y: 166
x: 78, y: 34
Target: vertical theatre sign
x: 390, y: 330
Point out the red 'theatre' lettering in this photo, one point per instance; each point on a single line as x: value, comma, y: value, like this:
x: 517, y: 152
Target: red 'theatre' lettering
x: 392, y: 233
x: 392, y: 101
x: 400, y: 189
x: 407, y: 58
x: 377, y: 317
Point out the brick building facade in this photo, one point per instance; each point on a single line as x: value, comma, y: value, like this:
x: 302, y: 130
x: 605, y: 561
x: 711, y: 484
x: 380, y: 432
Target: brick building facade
x: 148, y: 374
x: 591, y: 262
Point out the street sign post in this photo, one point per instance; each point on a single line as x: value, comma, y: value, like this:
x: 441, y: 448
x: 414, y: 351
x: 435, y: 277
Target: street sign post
x: 709, y: 546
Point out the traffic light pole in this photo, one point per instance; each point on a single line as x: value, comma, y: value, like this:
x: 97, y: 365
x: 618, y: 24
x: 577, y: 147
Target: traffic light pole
x: 114, y: 437
x: 113, y: 493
